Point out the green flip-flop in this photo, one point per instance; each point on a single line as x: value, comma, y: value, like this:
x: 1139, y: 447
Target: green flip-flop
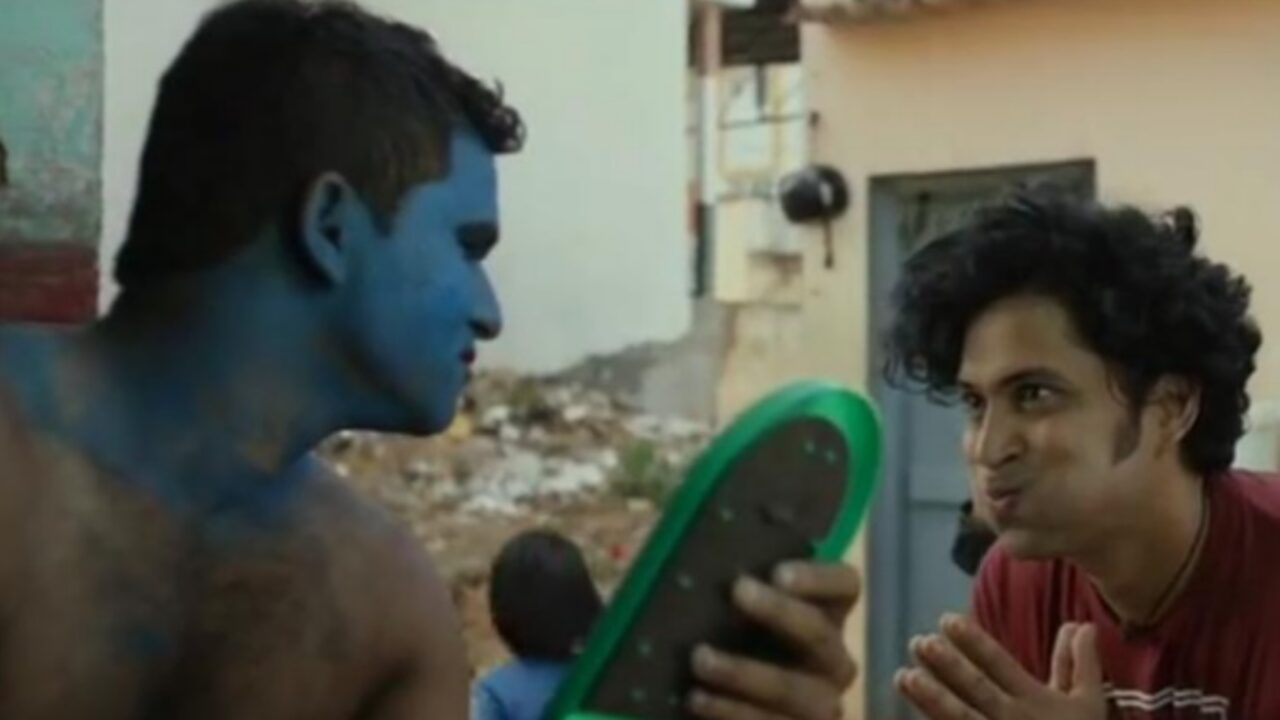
x: 790, y: 478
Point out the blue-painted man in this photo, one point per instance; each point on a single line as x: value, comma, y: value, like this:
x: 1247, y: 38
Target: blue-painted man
x: 316, y: 197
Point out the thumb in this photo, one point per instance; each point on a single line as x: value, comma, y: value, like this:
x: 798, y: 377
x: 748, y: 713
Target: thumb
x: 1086, y: 667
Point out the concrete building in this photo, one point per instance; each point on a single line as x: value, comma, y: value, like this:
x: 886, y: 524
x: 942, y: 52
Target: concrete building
x: 929, y: 107
x: 597, y: 271
x: 50, y: 152
x: 595, y: 252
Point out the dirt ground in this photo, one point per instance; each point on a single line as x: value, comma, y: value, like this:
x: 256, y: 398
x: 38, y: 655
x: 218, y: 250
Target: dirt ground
x: 522, y: 454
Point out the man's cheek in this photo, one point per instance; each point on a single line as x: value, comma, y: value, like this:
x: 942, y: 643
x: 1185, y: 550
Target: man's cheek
x: 982, y: 510
x: 447, y: 311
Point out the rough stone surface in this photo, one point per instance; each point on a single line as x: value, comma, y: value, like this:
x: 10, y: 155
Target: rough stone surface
x: 524, y: 452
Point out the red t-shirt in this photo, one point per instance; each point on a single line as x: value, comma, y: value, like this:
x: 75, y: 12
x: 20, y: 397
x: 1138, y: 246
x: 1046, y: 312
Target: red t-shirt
x: 1216, y: 653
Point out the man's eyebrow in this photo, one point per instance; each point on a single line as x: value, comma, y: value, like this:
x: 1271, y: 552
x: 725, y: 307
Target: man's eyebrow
x: 1032, y: 374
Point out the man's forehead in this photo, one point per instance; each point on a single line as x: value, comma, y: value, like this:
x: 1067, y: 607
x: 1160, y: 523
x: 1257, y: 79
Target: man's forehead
x: 468, y: 193
x: 470, y: 160
x: 472, y: 171
x: 1020, y: 335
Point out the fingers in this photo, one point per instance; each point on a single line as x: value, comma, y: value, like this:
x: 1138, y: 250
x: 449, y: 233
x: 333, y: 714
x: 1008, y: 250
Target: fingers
x: 985, y: 653
x: 822, y: 582
x: 717, y: 707
x: 947, y: 666
x: 931, y: 697
x: 768, y: 689
x: 802, y: 625
x: 835, y: 587
x: 806, y: 607
x: 1062, y: 668
x: 1087, y: 674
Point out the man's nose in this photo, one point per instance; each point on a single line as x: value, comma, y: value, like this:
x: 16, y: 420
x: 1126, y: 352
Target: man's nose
x: 995, y: 441
x: 486, y: 321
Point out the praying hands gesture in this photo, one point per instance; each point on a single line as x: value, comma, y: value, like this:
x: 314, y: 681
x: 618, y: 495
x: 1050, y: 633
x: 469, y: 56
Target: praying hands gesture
x: 964, y: 674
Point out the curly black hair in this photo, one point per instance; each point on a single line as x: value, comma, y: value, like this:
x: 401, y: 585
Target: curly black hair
x: 269, y: 94
x: 1137, y: 291
x: 542, y: 599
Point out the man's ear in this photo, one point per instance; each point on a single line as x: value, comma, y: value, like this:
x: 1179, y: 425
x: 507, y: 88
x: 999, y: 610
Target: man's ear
x: 325, y: 226
x: 1178, y: 401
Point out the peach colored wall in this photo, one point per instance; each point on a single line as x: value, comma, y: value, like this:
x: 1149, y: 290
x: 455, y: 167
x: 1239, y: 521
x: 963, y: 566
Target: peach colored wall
x: 1177, y: 101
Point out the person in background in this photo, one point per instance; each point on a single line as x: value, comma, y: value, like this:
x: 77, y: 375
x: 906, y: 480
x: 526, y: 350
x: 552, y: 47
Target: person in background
x: 974, y: 537
x: 543, y: 604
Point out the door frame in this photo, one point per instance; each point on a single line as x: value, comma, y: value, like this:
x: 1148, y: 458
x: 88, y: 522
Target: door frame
x: 887, y: 547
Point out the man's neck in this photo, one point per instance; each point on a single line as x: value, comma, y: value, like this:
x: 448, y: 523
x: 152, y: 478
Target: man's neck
x: 1142, y: 568
x: 202, y: 402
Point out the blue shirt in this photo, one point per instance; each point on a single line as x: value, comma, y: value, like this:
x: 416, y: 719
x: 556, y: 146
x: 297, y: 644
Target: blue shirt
x: 519, y: 690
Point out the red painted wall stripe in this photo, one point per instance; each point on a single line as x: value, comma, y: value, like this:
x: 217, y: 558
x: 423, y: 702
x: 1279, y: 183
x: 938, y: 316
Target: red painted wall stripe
x: 48, y: 283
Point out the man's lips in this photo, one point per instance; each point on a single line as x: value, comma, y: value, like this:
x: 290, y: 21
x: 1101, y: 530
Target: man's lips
x: 1003, y: 501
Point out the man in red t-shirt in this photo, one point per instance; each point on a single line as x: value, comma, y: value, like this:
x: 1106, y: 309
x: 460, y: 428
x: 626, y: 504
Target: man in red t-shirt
x: 1103, y: 365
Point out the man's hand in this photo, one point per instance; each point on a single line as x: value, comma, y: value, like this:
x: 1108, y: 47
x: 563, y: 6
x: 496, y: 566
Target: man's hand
x: 964, y: 674
x: 806, y: 605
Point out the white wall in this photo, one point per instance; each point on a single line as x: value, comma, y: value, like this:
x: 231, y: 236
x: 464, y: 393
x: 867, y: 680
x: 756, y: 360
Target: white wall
x: 595, y: 251
x: 140, y: 38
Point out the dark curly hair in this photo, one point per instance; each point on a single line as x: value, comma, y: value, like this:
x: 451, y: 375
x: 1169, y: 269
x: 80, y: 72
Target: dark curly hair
x: 1136, y: 290
x: 269, y: 94
x: 542, y: 599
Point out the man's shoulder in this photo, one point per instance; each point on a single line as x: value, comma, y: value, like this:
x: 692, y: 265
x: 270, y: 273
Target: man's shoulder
x: 357, y: 526
x: 1258, y: 491
x: 1244, y: 528
x: 329, y: 497
x: 395, y: 580
x: 409, y: 606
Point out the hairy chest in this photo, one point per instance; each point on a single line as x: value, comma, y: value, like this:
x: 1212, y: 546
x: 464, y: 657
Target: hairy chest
x: 117, y: 610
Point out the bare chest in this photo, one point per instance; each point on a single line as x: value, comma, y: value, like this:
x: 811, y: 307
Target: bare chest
x: 115, y: 611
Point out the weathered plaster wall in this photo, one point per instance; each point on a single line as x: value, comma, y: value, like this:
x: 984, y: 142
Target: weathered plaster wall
x: 50, y: 164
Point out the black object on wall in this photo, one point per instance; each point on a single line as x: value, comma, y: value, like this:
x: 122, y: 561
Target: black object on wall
x: 815, y: 194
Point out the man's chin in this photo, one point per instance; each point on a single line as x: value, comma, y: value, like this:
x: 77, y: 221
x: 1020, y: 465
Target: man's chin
x: 422, y: 418
x: 431, y: 423
x: 431, y: 410
x: 1022, y: 544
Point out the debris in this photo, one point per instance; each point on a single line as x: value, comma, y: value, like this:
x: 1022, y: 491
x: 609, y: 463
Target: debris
x: 461, y: 428
x: 639, y: 505
x: 523, y: 452
x: 418, y: 470
x: 495, y: 417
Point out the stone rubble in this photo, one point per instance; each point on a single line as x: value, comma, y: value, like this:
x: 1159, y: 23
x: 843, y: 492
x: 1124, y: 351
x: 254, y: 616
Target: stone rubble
x: 523, y: 452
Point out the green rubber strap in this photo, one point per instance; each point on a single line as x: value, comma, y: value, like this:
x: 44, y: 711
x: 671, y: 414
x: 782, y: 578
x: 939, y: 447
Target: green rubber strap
x: 852, y: 415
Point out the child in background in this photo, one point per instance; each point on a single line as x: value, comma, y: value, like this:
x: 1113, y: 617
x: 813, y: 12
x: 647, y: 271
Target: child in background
x: 543, y: 604
x: 974, y: 537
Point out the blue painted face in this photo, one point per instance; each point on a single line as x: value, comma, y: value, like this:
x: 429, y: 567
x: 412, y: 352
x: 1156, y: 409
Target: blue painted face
x: 420, y: 299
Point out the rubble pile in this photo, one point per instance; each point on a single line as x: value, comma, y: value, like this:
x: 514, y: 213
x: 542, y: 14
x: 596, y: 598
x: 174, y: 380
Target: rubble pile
x: 517, y: 444
x: 523, y: 452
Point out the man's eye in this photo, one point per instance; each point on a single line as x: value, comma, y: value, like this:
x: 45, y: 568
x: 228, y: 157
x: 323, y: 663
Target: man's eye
x: 474, y: 251
x: 973, y: 404
x: 477, y: 239
x: 1032, y: 396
